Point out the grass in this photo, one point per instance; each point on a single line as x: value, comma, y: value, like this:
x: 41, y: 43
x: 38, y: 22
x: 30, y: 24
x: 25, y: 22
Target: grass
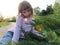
x: 4, y: 23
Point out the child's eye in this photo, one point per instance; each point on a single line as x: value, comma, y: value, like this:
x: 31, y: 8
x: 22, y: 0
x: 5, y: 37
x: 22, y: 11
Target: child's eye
x: 23, y: 12
x: 28, y: 10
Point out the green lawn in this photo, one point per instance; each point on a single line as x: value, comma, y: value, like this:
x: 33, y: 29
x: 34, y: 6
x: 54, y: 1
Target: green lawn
x: 4, y: 23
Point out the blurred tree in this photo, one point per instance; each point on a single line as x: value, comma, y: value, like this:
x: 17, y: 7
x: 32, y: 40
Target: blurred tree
x: 49, y: 9
x: 7, y: 19
x: 1, y: 17
x: 13, y: 19
x: 56, y: 8
x: 37, y: 11
x: 43, y: 12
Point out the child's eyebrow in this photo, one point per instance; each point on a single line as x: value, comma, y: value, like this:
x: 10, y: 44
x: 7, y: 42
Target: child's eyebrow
x: 26, y: 10
x: 23, y: 11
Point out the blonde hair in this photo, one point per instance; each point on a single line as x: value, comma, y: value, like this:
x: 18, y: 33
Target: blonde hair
x: 23, y: 6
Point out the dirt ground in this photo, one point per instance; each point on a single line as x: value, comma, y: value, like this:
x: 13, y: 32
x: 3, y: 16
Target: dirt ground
x: 4, y: 29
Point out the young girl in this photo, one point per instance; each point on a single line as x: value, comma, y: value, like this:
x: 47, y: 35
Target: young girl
x: 23, y: 20
x: 25, y: 17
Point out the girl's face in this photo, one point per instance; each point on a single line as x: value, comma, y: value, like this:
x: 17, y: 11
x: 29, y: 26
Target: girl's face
x: 26, y: 12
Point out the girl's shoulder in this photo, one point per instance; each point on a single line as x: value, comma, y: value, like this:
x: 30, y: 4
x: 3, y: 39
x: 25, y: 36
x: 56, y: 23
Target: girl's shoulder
x: 19, y: 17
x: 19, y: 20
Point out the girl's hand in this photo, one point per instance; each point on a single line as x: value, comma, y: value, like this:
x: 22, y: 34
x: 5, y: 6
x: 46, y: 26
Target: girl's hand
x: 44, y: 37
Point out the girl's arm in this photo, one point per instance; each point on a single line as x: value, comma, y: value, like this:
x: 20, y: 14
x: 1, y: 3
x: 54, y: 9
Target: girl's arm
x: 16, y: 34
x: 36, y: 32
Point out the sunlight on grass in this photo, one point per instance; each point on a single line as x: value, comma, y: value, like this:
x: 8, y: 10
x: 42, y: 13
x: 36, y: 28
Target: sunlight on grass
x: 4, y: 23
